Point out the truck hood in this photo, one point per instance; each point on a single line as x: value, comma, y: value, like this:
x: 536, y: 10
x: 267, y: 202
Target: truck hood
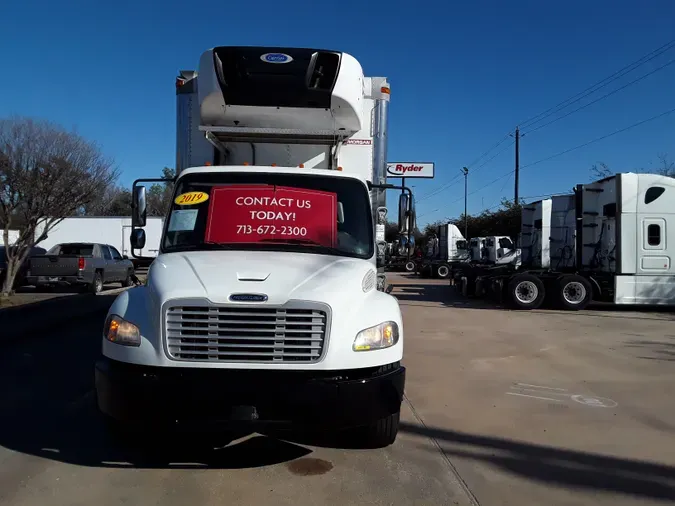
x: 281, y: 276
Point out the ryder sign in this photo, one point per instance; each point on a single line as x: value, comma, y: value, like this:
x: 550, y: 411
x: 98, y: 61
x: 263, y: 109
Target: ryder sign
x: 410, y: 169
x: 256, y: 213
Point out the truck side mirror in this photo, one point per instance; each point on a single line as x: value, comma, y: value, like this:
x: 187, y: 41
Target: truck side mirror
x: 138, y: 207
x: 406, y: 213
x: 403, y: 206
x: 137, y: 238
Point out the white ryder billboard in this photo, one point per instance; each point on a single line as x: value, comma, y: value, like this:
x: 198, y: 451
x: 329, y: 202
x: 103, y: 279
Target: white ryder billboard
x: 410, y: 169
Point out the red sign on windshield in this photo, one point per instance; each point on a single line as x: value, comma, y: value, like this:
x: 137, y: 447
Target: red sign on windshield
x: 256, y: 213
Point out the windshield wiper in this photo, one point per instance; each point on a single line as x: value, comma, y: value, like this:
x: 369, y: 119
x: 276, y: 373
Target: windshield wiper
x: 304, y: 242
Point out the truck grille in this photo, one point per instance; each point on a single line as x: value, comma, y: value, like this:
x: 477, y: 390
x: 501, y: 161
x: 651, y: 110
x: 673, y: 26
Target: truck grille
x: 244, y: 334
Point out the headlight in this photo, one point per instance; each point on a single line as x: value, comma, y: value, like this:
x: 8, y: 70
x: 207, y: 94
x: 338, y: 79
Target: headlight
x: 119, y: 331
x: 378, y: 337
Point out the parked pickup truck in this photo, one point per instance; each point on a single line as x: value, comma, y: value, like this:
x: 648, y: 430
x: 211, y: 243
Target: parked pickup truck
x: 89, y: 265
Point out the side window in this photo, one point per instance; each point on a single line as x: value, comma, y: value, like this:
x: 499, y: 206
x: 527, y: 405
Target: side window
x: 653, y: 193
x: 106, y: 252
x: 654, y: 234
x: 115, y: 254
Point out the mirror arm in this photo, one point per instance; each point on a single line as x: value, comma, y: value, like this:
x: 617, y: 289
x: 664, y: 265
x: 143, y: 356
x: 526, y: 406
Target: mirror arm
x: 372, y: 186
x: 133, y: 205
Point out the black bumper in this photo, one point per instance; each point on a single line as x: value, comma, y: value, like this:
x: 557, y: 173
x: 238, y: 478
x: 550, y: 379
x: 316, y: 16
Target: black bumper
x: 137, y: 394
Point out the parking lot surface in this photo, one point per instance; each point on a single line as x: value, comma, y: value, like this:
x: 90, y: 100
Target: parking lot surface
x: 543, y: 407
x: 518, y: 408
x: 54, y: 450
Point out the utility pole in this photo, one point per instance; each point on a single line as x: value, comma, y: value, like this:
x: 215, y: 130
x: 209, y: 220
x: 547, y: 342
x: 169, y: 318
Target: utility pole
x: 517, y: 171
x: 465, y: 171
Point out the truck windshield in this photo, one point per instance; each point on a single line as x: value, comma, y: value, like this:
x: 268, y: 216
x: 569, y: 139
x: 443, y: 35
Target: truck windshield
x: 272, y: 212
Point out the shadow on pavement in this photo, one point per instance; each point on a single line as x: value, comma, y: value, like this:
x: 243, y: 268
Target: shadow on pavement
x: 449, y: 296
x: 49, y: 410
x: 555, y: 466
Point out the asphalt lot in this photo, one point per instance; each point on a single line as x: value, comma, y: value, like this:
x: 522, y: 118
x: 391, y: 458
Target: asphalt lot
x: 502, y: 408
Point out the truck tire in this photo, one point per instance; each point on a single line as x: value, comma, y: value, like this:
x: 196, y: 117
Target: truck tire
x: 128, y: 281
x: 443, y: 271
x: 96, y: 285
x: 410, y: 266
x: 573, y: 292
x: 525, y: 291
x: 381, y: 433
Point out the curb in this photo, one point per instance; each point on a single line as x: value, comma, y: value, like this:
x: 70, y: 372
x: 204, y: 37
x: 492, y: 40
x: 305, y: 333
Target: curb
x: 20, y: 321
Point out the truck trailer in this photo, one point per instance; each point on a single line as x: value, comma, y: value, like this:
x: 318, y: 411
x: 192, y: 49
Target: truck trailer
x: 264, y: 305
x: 611, y: 241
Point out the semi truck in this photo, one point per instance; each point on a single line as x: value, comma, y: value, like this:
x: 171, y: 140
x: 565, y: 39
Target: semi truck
x: 444, y: 252
x: 266, y: 304
x: 611, y: 241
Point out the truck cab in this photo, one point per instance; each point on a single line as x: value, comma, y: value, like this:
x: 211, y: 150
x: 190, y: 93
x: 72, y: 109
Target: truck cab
x: 265, y: 304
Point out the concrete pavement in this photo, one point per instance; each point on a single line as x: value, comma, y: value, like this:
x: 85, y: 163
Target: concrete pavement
x: 54, y: 450
x: 517, y: 408
x: 543, y: 407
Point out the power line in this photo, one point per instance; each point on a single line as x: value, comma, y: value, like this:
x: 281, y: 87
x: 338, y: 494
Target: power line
x: 600, y: 138
x: 571, y: 149
x: 599, y: 85
x: 604, y: 96
x: 486, y: 152
x: 583, y: 94
x: 457, y: 178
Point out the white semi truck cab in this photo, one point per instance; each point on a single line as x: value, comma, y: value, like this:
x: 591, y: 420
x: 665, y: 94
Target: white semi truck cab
x: 265, y: 305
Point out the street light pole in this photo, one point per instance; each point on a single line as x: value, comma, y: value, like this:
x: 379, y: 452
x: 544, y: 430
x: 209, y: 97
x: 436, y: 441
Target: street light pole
x: 465, y: 171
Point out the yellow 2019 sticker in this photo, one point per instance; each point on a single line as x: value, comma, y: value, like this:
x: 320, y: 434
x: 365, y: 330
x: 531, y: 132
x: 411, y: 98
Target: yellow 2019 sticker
x: 191, y: 198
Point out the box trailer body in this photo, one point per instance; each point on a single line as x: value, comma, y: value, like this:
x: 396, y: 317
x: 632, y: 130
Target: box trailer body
x: 112, y: 230
x: 284, y: 322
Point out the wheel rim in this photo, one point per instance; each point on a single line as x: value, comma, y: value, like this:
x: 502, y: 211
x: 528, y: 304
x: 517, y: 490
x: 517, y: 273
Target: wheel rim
x: 410, y: 266
x: 574, y: 292
x: 443, y: 271
x: 526, y: 292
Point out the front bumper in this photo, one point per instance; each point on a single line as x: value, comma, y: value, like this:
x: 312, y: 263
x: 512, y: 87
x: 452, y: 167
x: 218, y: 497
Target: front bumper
x: 160, y: 395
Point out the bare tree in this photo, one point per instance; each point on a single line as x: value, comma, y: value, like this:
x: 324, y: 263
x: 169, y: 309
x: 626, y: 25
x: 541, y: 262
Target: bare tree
x: 601, y: 171
x: 46, y: 175
x: 667, y: 167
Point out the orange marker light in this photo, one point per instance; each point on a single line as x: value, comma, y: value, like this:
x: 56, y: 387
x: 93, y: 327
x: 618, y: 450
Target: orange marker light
x: 339, y: 168
x: 207, y: 164
x: 274, y: 165
x: 386, y: 90
x: 302, y: 165
x: 245, y: 163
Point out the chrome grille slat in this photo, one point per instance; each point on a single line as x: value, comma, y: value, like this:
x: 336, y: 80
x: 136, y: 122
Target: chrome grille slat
x: 242, y: 334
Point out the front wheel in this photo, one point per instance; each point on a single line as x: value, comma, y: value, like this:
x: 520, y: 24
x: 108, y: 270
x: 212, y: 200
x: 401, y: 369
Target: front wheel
x: 443, y: 271
x: 526, y: 291
x: 410, y: 266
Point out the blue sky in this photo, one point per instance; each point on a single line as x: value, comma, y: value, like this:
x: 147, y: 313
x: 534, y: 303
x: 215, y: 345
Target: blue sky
x: 463, y: 74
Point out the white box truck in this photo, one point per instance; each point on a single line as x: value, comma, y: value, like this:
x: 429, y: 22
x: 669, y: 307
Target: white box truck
x: 264, y: 305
